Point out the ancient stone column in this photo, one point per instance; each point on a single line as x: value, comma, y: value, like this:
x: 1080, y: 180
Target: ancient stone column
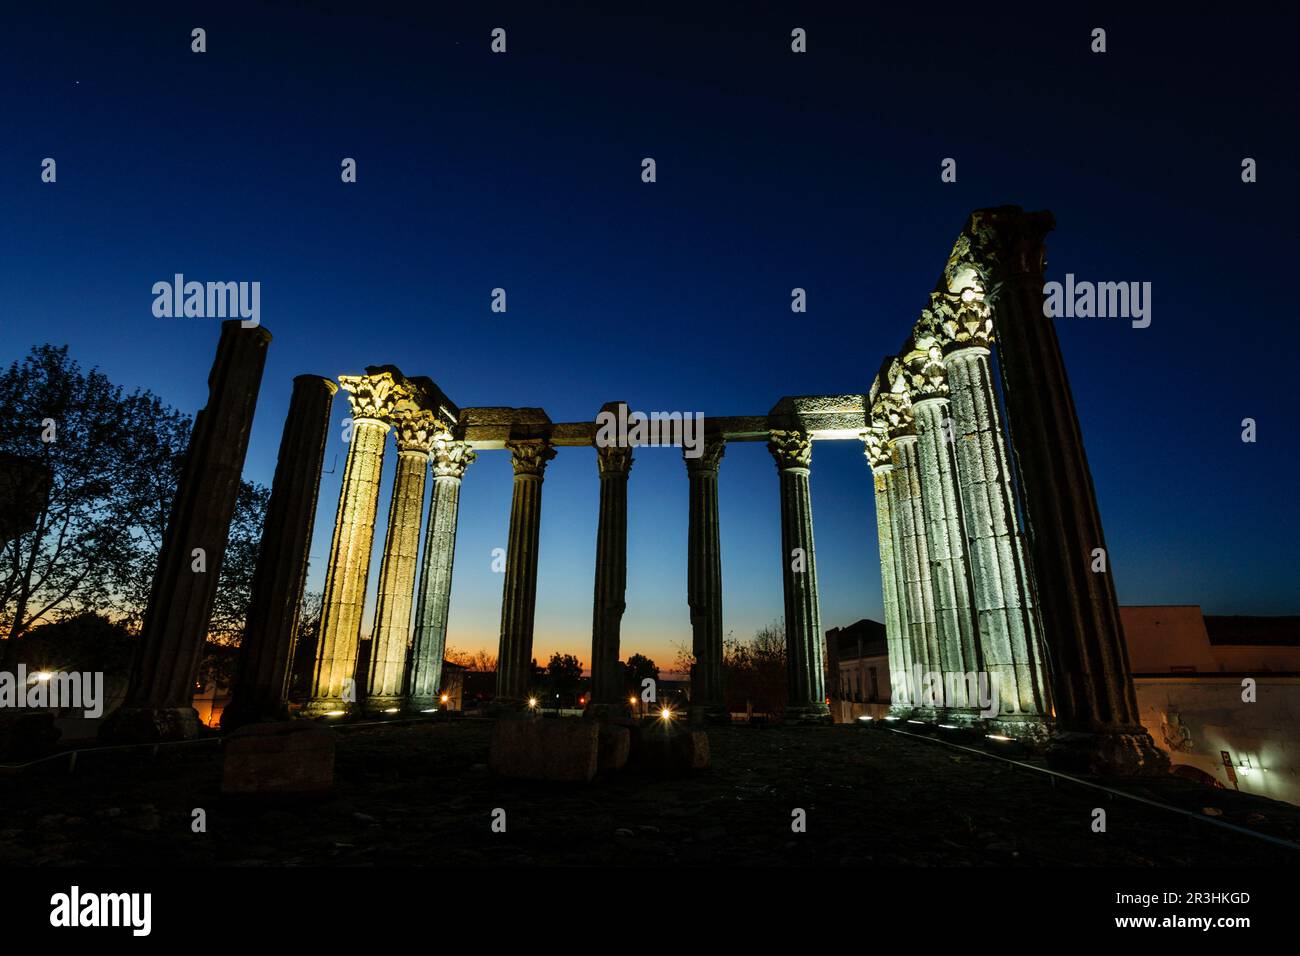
x: 1010, y: 640
x: 950, y: 574
x: 158, y: 704
x: 792, y: 451
x: 704, y: 583
x: 450, y: 459
x: 607, y: 692
x: 416, y: 431
x: 373, y: 399
x: 266, y: 652
x: 917, y: 602
x: 519, y: 593
x: 896, y: 640
x: 1096, y: 708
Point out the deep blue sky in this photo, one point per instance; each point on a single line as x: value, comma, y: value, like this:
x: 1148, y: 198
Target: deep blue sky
x: 775, y: 170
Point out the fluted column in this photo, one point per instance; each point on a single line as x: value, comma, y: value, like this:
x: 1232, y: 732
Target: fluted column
x: 917, y: 603
x: 266, y: 651
x: 373, y: 399
x: 609, y: 602
x: 449, y: 459
x: 416, y: 431
x: 950, y: 574
x: 896, y: 642
x: 159, y: 701
x: 1096, y: 708
x: 519, y: 593
x: 1010, y: 639
x: 792, y: 451
x: 704, y: 582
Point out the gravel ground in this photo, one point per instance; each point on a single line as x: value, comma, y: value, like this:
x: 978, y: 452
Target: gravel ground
x: 421, y: 794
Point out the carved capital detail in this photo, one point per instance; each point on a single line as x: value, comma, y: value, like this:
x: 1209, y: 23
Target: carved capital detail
x: 791, y: 449
x: 998, y: 245
x: 894, y: 410
x: 374, y: 396
x: 710, y: 455
x: 450, y: 458
x: 923, y: 364
x: 613, y: 460
x: 876, y: 448
x: 417, y: 429
x: 530, y: 456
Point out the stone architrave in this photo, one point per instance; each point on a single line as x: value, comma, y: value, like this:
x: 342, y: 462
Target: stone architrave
x: 159, y: 701
x: 704, y: 582
x: 792, y: 451
x: 449, y: 459
x: 1097, y: 720
x: 373, y: 398
x: 609, y: 601
x: 519, y: 592
x: 416, y: 430
x: 266, y: 651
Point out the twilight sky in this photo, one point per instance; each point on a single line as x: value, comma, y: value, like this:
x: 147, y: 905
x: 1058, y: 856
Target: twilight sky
x: 775, y: 170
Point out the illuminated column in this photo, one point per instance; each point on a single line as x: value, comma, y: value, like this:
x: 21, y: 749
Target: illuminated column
x: 1092, y: 690
x: 945, y: 534
x: 792, y: 451
x: 416, y: 430
x: 519, y: 594
x: 917, y: 603
x: 159, y: 701
x: 896, y: 642
x: 449, y: 459
x: 704, y: 582
x: 615, y: 463
x: 1008, y: 625
x: 267, y: 648
x: 373, y: 398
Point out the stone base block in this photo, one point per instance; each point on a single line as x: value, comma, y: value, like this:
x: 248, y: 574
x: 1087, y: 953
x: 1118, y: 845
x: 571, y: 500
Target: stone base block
x: 25, y: 735
x: 539, y: 749
x: 662, y: 746
x: 615, y: 744
x: 1125, y: 753
x: 151, y: 725
x: 289, y: 757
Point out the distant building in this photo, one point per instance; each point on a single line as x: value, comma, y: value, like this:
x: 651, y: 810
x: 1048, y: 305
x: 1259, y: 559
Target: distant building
x: 857, y: 670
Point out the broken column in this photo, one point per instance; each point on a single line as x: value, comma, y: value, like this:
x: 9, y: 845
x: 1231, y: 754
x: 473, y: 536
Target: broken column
x: 704, y: 582
x: 449, y: 459
x: 792, y: 451
x: 373, y: 398
x: 1092, y: 690
x: 265, y: 654
x: 609, y: 602
x: 416, y: 429
x: 158, y: 704
x: 519, y: 592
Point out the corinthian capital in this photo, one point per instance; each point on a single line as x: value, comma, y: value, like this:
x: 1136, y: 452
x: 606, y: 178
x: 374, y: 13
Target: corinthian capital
x: 710, y: 455
x: 374, y: 396
x: 613, y: 460
x: 891, y: 407
x: 998, y: 245
x: 922, y: 363
x: 450, y: 458
x: 791, y: 449
x: 877, y: 451
x: 417, y: 429
x: 967, y: 321
x: 530, y: 456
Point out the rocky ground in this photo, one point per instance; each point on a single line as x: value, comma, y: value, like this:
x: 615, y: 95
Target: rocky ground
x: 421, y: 793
